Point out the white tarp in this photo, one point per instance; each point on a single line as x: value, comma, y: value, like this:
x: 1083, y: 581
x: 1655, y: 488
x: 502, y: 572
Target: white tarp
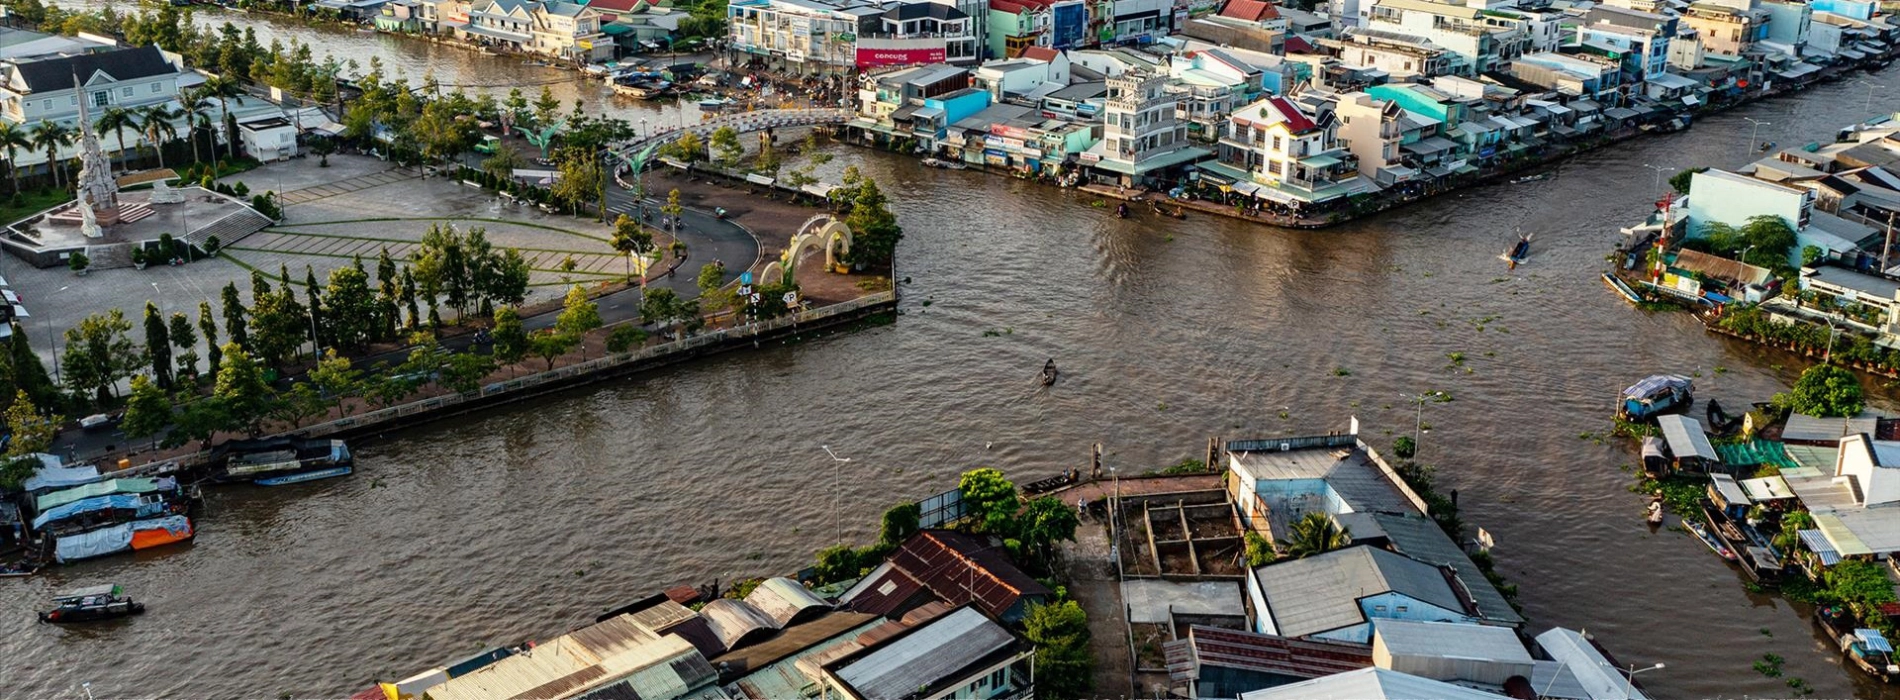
x: 95, y: 543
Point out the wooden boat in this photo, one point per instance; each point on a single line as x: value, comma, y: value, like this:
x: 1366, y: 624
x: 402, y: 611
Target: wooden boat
x: 1156, y: 206
x: 1720, y: 422
x: 273, y: 458
x: 1049, y: 372
x: 1868, y: 649
x: 1623, y: 290
x: 1532, y: 178
x: 1519, y: 252
x: 301, y: 477
x: 1121, y: 210
x: 1655, y: 395
x: 1655, y: 515
x: 89, y: 604
x: 1701, y: 532
x: 943, y: 164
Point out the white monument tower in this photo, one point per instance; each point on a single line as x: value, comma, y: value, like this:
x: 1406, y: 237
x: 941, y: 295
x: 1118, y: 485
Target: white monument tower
x: 98, y: 191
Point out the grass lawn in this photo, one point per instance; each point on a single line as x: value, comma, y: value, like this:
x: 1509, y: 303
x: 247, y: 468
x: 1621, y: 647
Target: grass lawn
x: 30, y: 202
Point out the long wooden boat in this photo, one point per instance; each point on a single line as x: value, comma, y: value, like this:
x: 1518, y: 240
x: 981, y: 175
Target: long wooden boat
x: 1623, y: 290
x: 301, y: 477
x: 1867, y: 649
x: 1701, y: 532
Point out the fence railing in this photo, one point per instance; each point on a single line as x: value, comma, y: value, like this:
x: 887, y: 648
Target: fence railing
x: 601, y: 364
x: 1292, y: 443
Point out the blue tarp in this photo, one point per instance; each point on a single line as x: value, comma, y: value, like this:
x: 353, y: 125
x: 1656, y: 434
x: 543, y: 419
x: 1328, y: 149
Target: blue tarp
x: 119, y: 501
x: 1822, y: 548
x: 1872, y: 640
x: 94, y: 543
x: 1655, y: 385
x: 49, y: 477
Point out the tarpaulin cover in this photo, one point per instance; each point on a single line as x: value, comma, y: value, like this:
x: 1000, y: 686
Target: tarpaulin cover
x: 102, y: 488
x: 1873, y: 640
x: 147, y: 534
x: 123, y: 501
x: 55, y: 477
x: 94, y: 543
x: 1655, y: 385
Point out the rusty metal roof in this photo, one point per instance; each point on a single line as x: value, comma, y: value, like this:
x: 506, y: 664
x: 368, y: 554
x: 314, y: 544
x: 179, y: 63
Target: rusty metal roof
x: 592, y: 657
x: 786, y: 601
x: 959, y: 569
x: 1263, y: 653
x: 736, y: 623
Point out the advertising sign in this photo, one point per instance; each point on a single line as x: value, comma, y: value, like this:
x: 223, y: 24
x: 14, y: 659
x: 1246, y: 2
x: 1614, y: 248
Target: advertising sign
x: 872, y: 58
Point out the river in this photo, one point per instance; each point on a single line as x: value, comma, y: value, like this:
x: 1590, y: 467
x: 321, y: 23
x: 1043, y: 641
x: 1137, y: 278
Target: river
x: 523, y: 522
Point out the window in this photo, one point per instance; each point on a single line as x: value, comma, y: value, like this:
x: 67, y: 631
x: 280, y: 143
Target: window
x: 1276, y: 142
x: 101, y: 98
x: 155, y: 88
x: 1273, y: 168
x: 999, y: 678
x: 126, y: 92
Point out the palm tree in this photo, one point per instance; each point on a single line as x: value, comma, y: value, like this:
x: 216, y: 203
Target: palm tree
x: 158, y: 128
x: 1316, y: 534
x: 115, y: 119
x: 195, y: 108
x: 223, y: 89
x: 13, y: 138
x: 51, y: 136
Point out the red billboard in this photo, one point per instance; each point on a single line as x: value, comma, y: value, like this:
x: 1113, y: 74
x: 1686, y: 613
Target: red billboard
x: 872, y: 58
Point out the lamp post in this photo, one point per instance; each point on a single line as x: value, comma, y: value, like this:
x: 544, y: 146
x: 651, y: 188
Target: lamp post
x: 1659, y: 173
x: 1418, y: 417
x: 1754, y: 132
x: 837, y: 479
x: 1744, y: 257
x: 1869, y: 106
x: 53, y: 339
x: 1629, y: 678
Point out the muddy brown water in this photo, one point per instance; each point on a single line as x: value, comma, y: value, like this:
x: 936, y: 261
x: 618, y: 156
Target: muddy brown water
x: 523, y: 522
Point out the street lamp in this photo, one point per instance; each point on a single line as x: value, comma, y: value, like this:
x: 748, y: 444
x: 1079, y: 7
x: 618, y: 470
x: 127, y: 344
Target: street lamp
x: 1629, y: 678
x: 837, y: 465
x: 1869, y: 107
x: 53, y: 339
x: 1659, y: 173
x: 1754, y: 133
x: 1418, y: 418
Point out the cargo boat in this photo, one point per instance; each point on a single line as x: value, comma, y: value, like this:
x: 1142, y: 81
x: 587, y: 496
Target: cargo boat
x: 274, y: 461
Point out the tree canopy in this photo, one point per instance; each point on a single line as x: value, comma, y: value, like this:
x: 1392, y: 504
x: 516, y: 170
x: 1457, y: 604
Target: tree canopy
x: 1825, y: 391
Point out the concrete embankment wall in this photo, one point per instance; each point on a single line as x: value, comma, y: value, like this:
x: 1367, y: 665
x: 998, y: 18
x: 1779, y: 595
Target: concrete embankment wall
x: 585, y: 373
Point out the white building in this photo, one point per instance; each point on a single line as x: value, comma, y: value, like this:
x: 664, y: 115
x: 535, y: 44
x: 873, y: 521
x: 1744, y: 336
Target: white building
x: 1485, y: 41
x: 38, y: 91
x: 1141, y: 132
x: 569, y: 31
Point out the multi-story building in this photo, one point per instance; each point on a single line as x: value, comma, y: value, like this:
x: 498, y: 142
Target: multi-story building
x: 809, y: 36
x: 1141, y: 134
x: 1210, y: 84
x: 1372, y: 130
x: 1289, y: 155
x: 1017, y: 25
x: 1727, y: 30
x: 1400, y: 56
x: 50, y: 89
x: 1130, y: 20
x: 569, y: 31
x: 1788, y: 24
x: 1643, y: 38
x: 1580, y: 75
x: 927, y: 27
x: 505, y: 24
x: 443, y: 16
x: 1483, y: 41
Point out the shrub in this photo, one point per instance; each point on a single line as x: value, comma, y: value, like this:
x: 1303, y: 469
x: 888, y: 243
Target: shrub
x: 241, y: 190
x: 78, y: 260
x: 625, y: 336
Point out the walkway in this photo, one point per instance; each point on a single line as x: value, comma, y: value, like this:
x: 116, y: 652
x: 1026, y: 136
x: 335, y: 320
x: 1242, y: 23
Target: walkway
x: 332, y: 189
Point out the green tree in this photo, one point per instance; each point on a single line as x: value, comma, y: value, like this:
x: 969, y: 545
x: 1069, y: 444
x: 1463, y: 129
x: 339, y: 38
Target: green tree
x: 580, y: 180
x: 623, y: 337
x: 1316, y: 533
x: 28, y: 372
x: 549, y: 345
x: 408, y: 297
x: 158, y: 345
x: 51, y: 137
x: 687, y: 148
x: 874, y: 229
x: 508, y: 281
x: 354, y: 321
x: 320, y: 319
x: 989, y: 501
x: 1044, y: 522
x: 1064, y: 667
x: 235, y: 327
x: 147, y: 410
x: 711, y: 283
x: 99, y: 354
x: 463, y: 372
x: 208, y: 325
x: 33, y: 430
x: 578, y: 314
x: 726, y: 147
x: 241, y: 390
x: 335, y: 379
x: 388, y: 297
x: 511, y: 341
x: 1259, y: 551
x: 546, y: 108
x: 180, y: 332
x: 899, y: 523
x: 278, y: 323
x: 1767, y: 239
x: 632, y: 239
x: 1825, y: 391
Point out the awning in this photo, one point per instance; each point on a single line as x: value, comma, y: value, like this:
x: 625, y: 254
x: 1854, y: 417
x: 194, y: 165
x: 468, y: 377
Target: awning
x: 1691, y: 100
x: 1818, y: 544
x: 1438, y: 171
x: 905, y: 112
x: 1621, y: 113
x: 1430, y: 145
x: 1319, y: 161
x: 1465, y: 169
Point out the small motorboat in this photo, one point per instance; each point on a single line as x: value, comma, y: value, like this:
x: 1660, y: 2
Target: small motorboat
x: 943, y: 164
x: 89, y: 604
x: 1655, y: 516
x: 1049, y: 372
x: 1720, y: 422
x: 1866, y: 648
x: 1701, y: 532
x: 1531, y: 178
x: 1655, y: 395
x: 1121, y: 210
x: 1765, y: 145
x: 1519, y: 252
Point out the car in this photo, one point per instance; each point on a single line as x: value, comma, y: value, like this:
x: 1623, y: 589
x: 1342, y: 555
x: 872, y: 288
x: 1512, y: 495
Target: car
x: 488, y: 145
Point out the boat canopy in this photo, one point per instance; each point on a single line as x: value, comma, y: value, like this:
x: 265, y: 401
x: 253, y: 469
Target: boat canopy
x: 1656, y: 385
x: 1727, y: 492
x: 1652, y: 447
x: 1872, y: 640
x: 110, y: 589
x: 1687, y: 439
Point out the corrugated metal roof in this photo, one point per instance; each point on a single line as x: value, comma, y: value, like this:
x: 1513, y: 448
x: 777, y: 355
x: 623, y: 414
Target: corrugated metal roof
x: 1451, y: 640
x: 1370, y: 684
x: 1728, y: 490
x: 1800, y: 428
x: 1420, y: 538
x: 924, y: 657
x: 1817, y: 542
x: 791, y: 641
x: 784, y: 677
x: 1686, y: 437
x: 737, y: 624
x: 1554, y: 680
x: 587, y: 659
x: 1596, y: 676
x: 1347, y: 471
x: 1322, y: 592
x: 883, y: 591
x: 959, y: 569
x: 1262, y: 653
x: 786, y: 601
x: 1767, y: 488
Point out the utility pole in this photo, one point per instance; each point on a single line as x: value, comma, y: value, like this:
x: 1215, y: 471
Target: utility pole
x: 1886, y: 253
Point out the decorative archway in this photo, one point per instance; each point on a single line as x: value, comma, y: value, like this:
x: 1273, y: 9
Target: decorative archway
x: 823, y: 231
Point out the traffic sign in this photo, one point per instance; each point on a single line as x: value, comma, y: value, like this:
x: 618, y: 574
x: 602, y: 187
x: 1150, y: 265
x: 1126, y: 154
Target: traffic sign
x: 745, y: 278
